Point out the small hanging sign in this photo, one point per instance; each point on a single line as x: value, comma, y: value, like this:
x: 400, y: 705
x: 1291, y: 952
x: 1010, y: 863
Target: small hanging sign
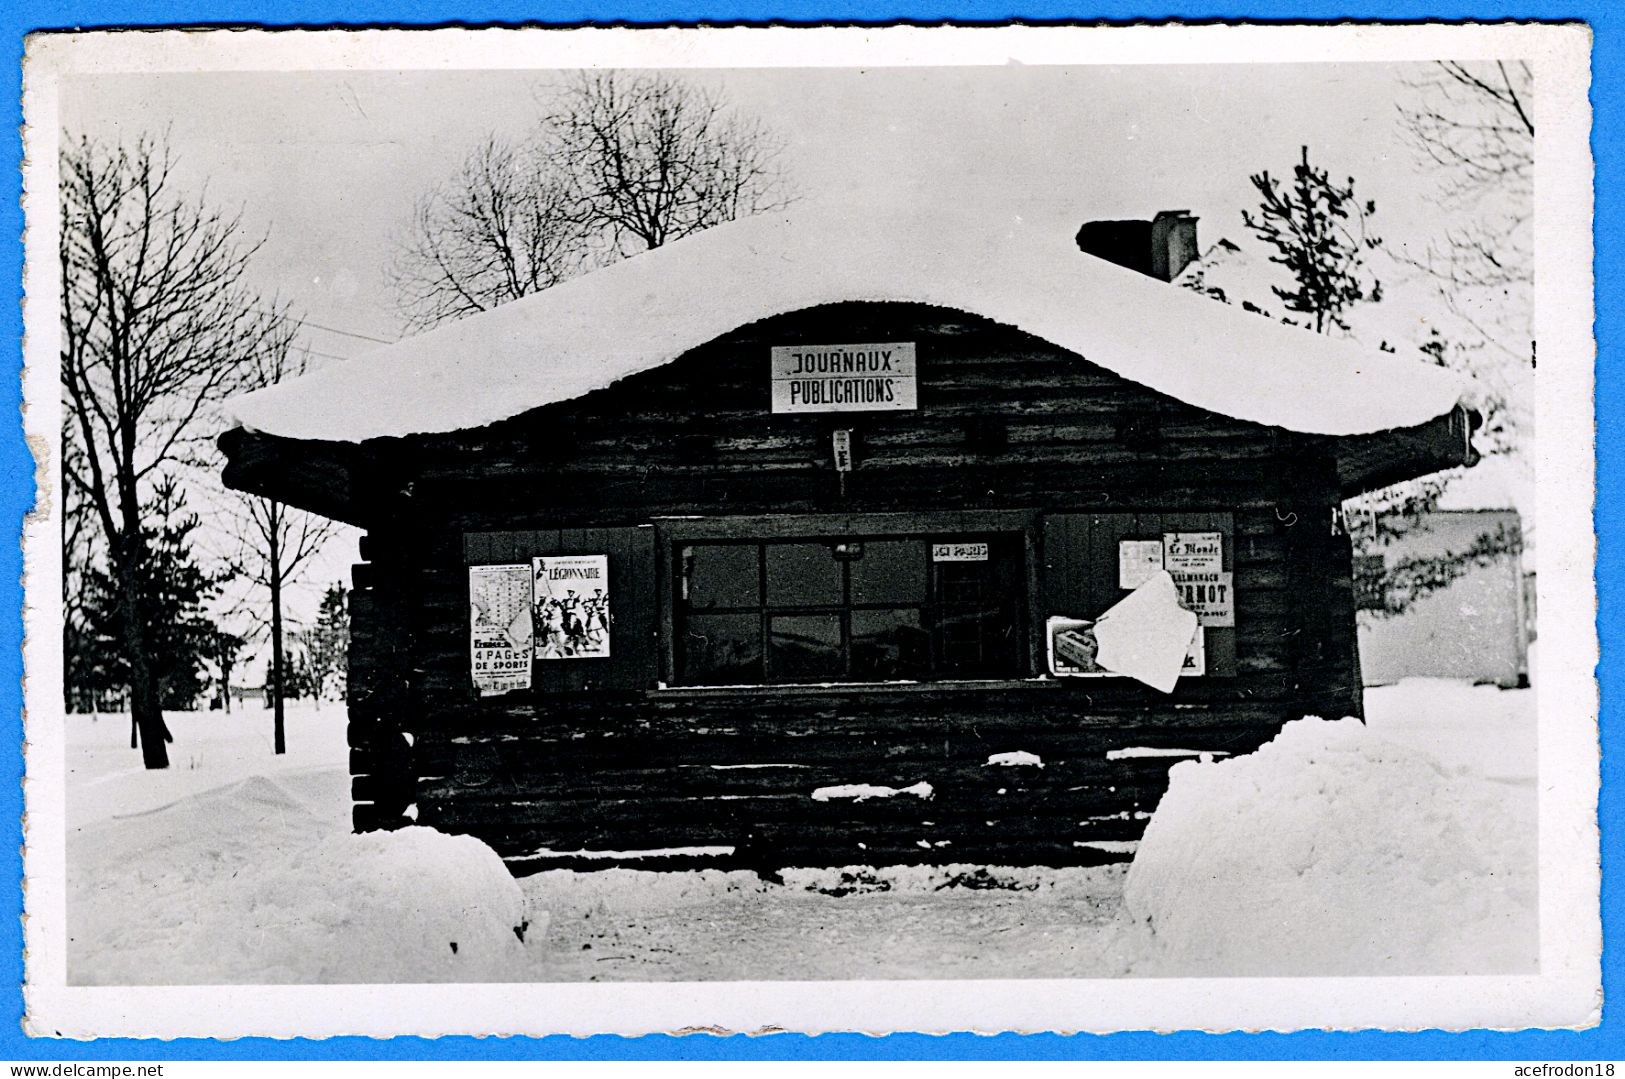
x: 842, y: 443
x: 959, y: 552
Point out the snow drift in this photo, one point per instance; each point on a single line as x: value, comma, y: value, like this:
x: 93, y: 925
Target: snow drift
x: 246, y: 884
x: 1335, y: 851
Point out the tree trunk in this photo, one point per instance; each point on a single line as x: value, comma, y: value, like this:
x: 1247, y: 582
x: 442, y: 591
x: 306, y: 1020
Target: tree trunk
x: 146, y: 712
x: 281, y: 741
x: 227, y: 661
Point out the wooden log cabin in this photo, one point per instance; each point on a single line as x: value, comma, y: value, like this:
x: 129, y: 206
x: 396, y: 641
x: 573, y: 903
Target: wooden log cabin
x: 745, y: 551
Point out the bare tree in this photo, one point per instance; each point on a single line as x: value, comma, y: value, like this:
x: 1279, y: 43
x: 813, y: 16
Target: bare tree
x: 616, y: 164
x: 1472, y: 127
x: 156, y: 317
x: 82, y: 682
x: 654, y: 158
x: 277, y: 542
x: 502, y: 228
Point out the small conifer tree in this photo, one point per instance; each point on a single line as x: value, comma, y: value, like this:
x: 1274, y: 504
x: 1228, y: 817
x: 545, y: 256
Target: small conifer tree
x: 1318, y: 231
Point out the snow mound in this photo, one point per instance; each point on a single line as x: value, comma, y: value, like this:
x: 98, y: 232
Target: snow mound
x: 1015, y: 760
x: 244, y: 883
x: 413, y: 905
x: 1018, y: 265
x: 861, y: 792
x: 1335, y: 851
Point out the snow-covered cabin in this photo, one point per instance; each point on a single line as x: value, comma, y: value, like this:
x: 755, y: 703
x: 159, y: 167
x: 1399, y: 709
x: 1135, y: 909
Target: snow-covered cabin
x: 658, y: 555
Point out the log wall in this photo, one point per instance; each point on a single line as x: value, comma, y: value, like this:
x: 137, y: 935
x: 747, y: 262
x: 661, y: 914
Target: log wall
x: 1005, y: 422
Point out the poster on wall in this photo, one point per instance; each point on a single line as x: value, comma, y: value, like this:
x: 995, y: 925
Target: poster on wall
x: 571, y: 606
x: 1195, y: 560
x: 500, y: 634
x: 1137, y: 561
x: 1074, y: 652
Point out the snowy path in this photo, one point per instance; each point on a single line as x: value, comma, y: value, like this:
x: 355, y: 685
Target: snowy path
x: 625, y: 925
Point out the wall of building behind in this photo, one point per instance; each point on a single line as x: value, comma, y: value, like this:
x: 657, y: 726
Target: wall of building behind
x: 1475, y: 629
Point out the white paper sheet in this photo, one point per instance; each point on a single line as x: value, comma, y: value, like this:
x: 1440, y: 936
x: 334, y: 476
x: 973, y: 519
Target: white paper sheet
x: 1146, y: 636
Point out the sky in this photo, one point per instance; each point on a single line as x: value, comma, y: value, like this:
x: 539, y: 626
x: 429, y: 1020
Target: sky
x: 327, y: 165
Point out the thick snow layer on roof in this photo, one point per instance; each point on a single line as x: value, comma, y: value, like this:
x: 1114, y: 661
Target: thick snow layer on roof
x: 1020, y: 268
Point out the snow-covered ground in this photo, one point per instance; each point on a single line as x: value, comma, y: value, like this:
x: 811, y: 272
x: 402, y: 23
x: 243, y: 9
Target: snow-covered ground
x: 1404, y: 846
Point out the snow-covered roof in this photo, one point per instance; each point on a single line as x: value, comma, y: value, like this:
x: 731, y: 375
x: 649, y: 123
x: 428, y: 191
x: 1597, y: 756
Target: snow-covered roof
x: 1228, y: 273
x: 1245, y: 278
x: 1021, y: 268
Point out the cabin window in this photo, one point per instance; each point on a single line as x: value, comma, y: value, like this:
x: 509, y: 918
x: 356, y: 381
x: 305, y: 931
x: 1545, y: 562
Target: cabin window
x: 849, y: 609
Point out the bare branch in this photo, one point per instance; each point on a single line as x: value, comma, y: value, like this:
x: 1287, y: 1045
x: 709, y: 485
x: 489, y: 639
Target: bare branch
x: 654, y: 159
x: 501, y: 229
x: 617, y: 164
x: 1472, y: 128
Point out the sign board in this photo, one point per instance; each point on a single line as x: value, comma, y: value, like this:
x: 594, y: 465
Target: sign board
x: 1072, y: 649
x: 571, y: 606
x: 1202, y: 552
x: 1137, y: 560
x: 959, y: 552
x: 1195, y: 560
x: 844, y: 378
x: 500, y: 628
x: 842, y: 445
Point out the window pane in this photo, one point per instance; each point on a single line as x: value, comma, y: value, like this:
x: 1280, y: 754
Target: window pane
x: 890, y: 571
x: 802, y: 575
x: 770, y: 611
x: 721, y: 649
x: 723, y: 575
x: 890, y: 644
x: 804, y: 647
x: 961, y: 582
x: 976, y: 640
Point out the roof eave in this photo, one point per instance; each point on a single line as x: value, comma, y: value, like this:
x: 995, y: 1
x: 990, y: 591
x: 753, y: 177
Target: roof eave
x: 1368, y: 462
x: 339, y: 480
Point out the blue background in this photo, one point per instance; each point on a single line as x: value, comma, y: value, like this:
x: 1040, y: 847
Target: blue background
x: 1607, y: 1042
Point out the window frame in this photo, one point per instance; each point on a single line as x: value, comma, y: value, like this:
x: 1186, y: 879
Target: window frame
x: 1017, y: 527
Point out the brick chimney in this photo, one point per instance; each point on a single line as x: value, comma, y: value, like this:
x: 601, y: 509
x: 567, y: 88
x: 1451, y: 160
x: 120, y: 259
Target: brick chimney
x: 1173, y: 243
x: 1160, y: 248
